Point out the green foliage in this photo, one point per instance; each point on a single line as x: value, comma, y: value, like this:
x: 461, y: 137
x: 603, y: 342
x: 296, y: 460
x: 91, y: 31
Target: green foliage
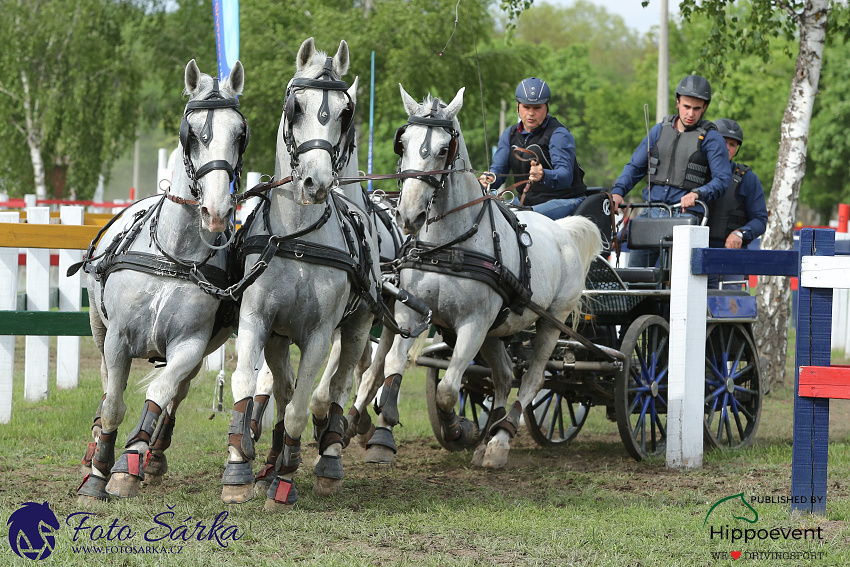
x: 69, y: 80
x: 440, y: 60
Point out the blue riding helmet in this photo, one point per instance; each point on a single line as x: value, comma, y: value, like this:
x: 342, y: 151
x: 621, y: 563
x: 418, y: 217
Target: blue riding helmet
x: 532, y: 91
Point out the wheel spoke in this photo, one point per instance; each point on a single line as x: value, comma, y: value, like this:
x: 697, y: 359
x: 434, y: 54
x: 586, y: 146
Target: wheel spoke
x: 545, y: 412
x: 746, y: 390
x: 741, y: 434
x: 559, y: 416
x: 573, y: 421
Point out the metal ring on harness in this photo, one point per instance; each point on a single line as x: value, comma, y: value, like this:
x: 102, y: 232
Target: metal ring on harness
x: 213, y: 246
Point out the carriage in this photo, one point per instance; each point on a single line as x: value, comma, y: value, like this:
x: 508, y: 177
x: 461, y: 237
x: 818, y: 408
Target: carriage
x: 625, y: 317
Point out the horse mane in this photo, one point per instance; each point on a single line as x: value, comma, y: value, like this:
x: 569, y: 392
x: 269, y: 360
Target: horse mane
x: 425, y: 108
x: 205, y: 85
x: 315, y: 66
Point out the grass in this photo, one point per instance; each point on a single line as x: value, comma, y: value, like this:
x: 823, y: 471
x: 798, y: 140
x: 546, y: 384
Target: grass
x: 584, y: 504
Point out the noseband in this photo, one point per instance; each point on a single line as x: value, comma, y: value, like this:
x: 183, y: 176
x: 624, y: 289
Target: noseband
x: 325, y: 83
x: 430, y: 121
x: 211, y: 102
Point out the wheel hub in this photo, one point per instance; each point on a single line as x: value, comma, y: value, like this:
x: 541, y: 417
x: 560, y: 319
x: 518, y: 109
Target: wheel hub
x: 730, y: 385
x: 653, y: 389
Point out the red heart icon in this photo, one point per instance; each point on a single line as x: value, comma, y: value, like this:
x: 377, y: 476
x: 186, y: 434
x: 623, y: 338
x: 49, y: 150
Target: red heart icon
x: 736, y: 554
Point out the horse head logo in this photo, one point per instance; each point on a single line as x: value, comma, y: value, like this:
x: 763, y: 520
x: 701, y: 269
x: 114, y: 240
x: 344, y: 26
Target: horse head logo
x: 740, y: 496
x: 31, y: 530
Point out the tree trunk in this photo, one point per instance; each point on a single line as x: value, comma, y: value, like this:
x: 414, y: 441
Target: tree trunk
x: 774, y: 293
x: 34, y: 136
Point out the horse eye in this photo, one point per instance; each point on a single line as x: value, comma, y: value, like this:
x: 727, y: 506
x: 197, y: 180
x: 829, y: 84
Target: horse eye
x: 444, y: 151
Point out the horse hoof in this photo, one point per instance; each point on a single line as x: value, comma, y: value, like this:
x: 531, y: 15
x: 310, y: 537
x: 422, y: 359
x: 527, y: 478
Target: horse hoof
x: 380, y: 454
x: 478, y: 456
x: 363, y: 438
x: 237, y: 493
x: 495, y: 457
x: 327, y: 486
x: 261, y: 487
x: 153, y: 479
x: 92, y: 489
x: 264, y: 479
x: 157, y: 464
x: 88, y: 501
x: 124, y: 485
x: 273, y: 505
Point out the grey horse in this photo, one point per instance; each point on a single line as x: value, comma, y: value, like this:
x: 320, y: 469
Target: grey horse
x: 390, y: 241
x: 142, y: 273
x: 480, y: 269
x: 322, y: 274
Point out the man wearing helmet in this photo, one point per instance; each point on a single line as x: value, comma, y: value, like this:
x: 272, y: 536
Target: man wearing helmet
x: 557, y: 181
x: 684, y: 156
x: 740, y: 215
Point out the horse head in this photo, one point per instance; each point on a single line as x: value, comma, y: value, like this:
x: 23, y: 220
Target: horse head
x: 427, y: 143
x: 317, y: 115
x: 213, y: 136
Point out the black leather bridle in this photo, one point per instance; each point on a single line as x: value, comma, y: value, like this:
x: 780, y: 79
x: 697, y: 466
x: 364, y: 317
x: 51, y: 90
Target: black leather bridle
x: 324, y: 82
x: 211, y: 102
x: 430, y: 121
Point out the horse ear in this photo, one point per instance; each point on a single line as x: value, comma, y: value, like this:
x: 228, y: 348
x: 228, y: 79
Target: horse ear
x: 192, y: 77
x: 410, y: 105
x: 237, y: 78
x: 305, y: 53
x: 455, y: 105
x: 352, y: 90
x: 341, y: 59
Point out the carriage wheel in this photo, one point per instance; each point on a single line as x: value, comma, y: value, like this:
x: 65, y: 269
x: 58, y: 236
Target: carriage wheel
x: 554, y: 418
x: 474, y: 403
x: 640, y: 397
x: 733, y: 391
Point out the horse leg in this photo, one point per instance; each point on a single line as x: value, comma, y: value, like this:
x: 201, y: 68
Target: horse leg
x: 98, y: 334
x: 330, y: 397
x: 238, y: 477
x: 459, y: 432
x: 494, y: 353
x: 156, y: 463
x: 282, y: 494
x: 128, y: 473
x: 117, y: 363
x: 360, y: 426
x: 503, y: 431
x: 276, y: 377
x: 381, y: 447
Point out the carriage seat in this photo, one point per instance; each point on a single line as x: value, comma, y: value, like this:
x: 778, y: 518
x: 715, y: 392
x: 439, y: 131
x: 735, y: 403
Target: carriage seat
x: 597, y: 208
x: 639, y: 275
x: 648, y: 233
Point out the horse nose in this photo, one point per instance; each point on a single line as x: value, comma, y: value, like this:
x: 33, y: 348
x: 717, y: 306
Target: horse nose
x: 411, y: 226
x: 318, y: 191
x: 215, y: 223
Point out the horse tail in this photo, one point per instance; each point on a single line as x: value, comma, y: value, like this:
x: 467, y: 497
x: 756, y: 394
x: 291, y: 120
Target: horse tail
x: 143, y: 383
x: 585, y: 236
x: 587, y: 241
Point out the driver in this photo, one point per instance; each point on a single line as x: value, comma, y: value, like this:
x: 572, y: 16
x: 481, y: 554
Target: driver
x: 685, y: 157
x: 557, y: 180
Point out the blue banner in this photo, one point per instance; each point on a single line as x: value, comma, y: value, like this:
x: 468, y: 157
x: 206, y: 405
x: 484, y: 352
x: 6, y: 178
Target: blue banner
x: 226, y: 17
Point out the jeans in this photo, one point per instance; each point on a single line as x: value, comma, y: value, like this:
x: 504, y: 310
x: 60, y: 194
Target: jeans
x: 556, y: 208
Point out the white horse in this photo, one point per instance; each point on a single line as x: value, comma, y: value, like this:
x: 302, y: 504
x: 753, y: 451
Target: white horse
x: 474, y: 268
x: 390, y: 240
x: 144, y: 299
x: 321, y: 274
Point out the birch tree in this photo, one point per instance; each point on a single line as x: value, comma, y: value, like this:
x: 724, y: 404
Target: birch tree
x: 807, y: 21
x: 68, y: 87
